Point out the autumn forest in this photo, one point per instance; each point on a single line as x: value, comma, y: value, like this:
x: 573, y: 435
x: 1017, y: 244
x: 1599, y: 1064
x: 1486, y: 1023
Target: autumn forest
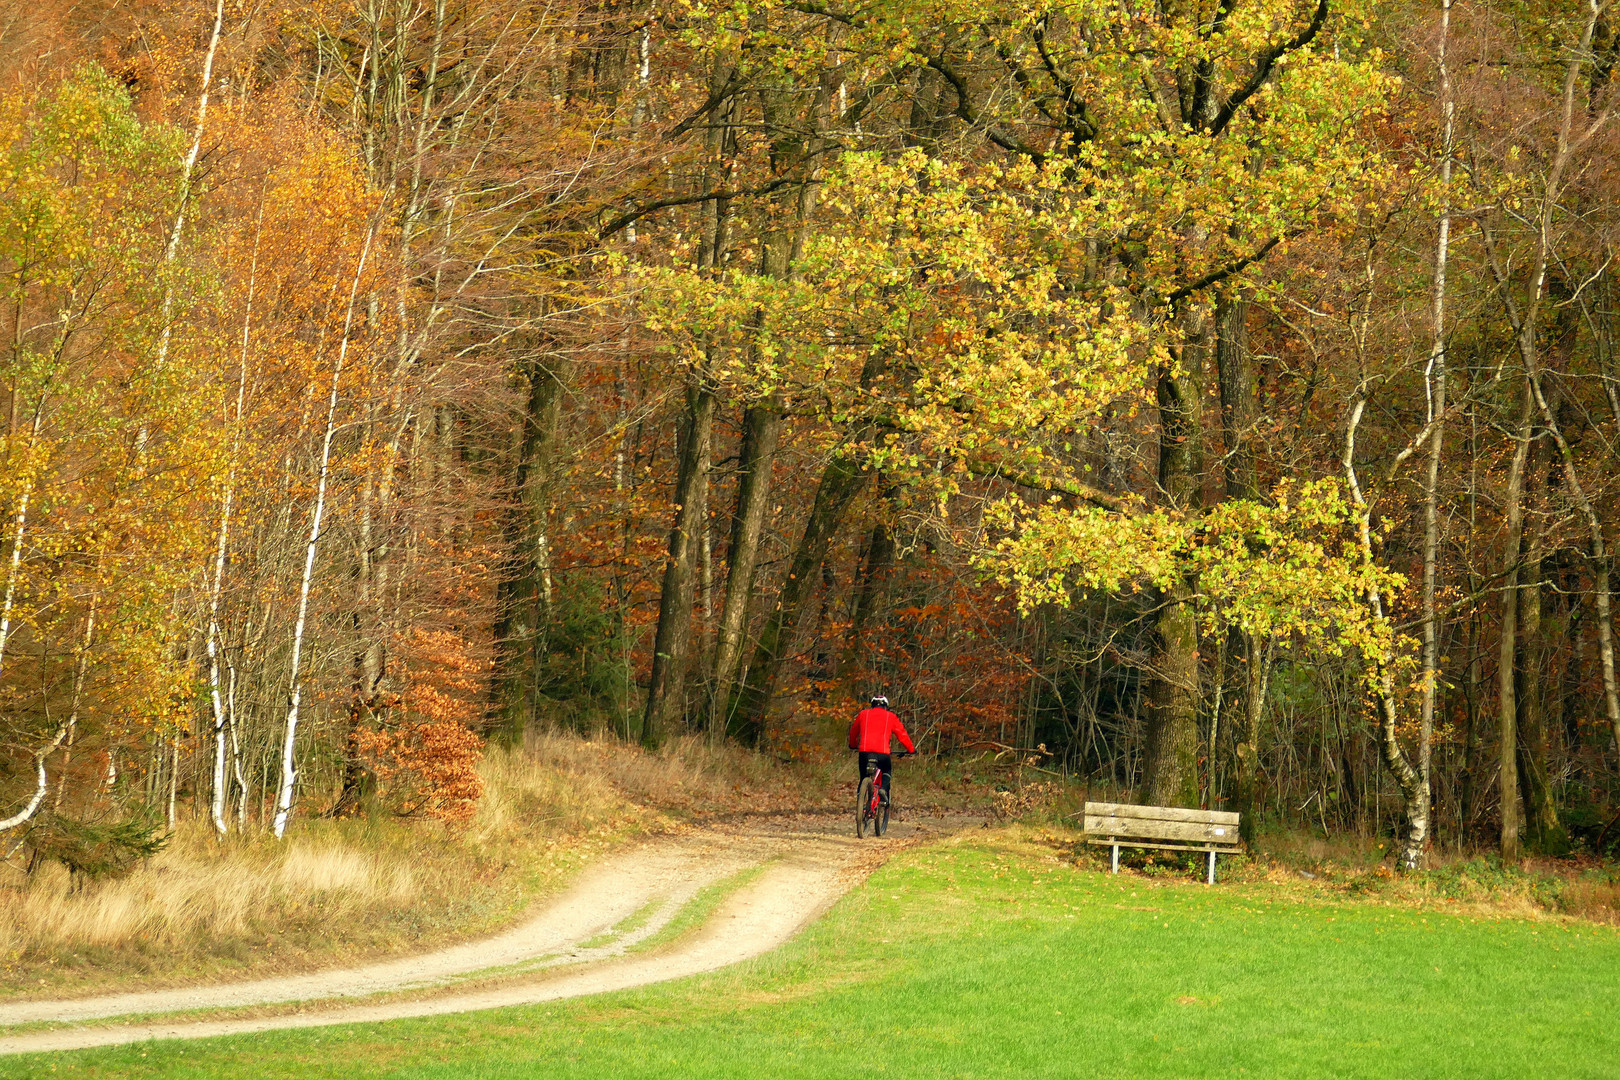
x: 1216, y: 403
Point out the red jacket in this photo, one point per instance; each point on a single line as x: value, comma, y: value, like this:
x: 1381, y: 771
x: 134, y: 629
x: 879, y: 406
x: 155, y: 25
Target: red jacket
x: 871, y: 731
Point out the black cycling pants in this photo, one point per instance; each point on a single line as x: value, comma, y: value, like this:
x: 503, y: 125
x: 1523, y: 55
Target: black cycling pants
x: 867, y: 762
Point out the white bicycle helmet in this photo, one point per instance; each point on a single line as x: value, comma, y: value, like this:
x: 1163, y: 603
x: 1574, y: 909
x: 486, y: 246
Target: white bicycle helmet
x: 880, y: 701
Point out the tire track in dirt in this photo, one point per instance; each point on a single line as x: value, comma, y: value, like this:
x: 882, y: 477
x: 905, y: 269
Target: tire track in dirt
x: 603, y: 898
x: 808, y: 866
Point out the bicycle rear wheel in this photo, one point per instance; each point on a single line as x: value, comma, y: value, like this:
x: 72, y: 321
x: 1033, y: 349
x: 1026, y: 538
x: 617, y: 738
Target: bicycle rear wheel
x: 880, y: 823
x: 863, y: 803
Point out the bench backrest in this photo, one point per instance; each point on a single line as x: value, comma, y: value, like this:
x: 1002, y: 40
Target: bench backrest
x: 1125, y: 822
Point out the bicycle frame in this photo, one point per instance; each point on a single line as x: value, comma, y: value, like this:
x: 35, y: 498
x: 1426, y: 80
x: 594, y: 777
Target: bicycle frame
x: 872, y: 802
x: 877, y: 793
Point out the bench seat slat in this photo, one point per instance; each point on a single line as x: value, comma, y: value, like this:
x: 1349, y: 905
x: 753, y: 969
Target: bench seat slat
x: 1223, y: 849
x: 1197, y: 831
x: 1161, y: 813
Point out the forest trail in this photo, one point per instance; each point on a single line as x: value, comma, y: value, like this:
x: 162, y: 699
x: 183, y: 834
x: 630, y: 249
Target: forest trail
x: 582, y: 942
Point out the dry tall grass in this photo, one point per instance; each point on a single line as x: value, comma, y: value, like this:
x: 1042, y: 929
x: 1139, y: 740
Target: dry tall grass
x: 530, y: 794
x: 1349, y: 868
x: 189, y: 891
x: 334, y: 889
x: 691, y: 775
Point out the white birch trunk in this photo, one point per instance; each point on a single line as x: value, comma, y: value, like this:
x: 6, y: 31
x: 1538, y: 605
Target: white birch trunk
x: 1435, y: 385
x: 221, y: 548
x: 41, y: 785
x: 186, y: 171
x: 14, y: 569
x: 174, y: 778
x: 19, y: 533
x: 236, y: 754
x: 639, y: 114
x: 1414, y: 794
x: 217, y: 809
x: 33, y: 805
x: 81, y: 668
x: 13, y: 573
x: 289, y: 776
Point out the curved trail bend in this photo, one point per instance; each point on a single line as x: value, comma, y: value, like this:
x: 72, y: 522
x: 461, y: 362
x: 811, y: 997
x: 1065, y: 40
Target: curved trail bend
x: 585, y: 935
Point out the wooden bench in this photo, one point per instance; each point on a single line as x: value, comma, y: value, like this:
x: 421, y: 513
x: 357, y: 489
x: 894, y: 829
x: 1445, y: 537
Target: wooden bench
x: 1120, y: 825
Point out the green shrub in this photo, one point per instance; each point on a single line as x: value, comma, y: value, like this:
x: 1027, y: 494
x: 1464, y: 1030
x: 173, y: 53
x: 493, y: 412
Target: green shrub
x: 97, y: 849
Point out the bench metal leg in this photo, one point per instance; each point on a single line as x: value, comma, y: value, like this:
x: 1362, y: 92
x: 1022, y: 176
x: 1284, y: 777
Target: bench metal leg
x: 1116, y: 859
x: 1211, y: 866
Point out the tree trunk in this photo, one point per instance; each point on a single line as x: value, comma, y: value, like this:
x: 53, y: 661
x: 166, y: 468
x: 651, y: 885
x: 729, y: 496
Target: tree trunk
x: 1507, y: 697
x: 295, y: 695
x: 876, y: 561
x: 236, y: 750
x: 1238, y: 410
x: 1414, y: 792
x: 188, y: 168
x: 13, y: 569
x: 1569, y: 697
x: 1435, y: 386
x: 1432, y: 622
x: 216, y: 698
x: 368, y: 676
x: 1526, y: 323
x: 761, y: 426
x: 41, y: 784
x: 370, y: 661
x: 1474, y: 687
x: 1597, y: 547
x: 1170, y: 767
x: 666, y: 690
x: 523, y: 597
x: 1542, y: 828
x: 227, y: 498
x: 841, y: 481
x: 1257, y: 676
x: 1472, y: 695
x: 781, y: 240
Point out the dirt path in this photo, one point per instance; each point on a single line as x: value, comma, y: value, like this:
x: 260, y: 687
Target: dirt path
x: 583, y: 936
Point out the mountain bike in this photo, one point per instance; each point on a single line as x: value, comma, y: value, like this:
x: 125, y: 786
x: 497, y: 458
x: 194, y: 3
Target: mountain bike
x: 872, y: 803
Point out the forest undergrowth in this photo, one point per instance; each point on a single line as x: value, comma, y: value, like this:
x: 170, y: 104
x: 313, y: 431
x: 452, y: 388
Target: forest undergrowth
x: 701, y: 779
x: 1301, y: 865
x: 1306, y: 863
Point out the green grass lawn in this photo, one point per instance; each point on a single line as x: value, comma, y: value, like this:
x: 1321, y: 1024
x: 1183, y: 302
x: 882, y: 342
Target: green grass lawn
x: 994, y: 960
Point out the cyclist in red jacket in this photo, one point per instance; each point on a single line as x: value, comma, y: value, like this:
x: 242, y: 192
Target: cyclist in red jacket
x: 869, y: 735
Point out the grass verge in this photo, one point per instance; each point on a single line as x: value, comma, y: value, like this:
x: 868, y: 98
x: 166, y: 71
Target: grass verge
x: 1000, y: 958
x: 697, y: 911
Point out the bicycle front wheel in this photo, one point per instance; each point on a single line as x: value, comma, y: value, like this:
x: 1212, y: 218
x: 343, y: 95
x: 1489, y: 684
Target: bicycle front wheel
x: 863, y: 806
